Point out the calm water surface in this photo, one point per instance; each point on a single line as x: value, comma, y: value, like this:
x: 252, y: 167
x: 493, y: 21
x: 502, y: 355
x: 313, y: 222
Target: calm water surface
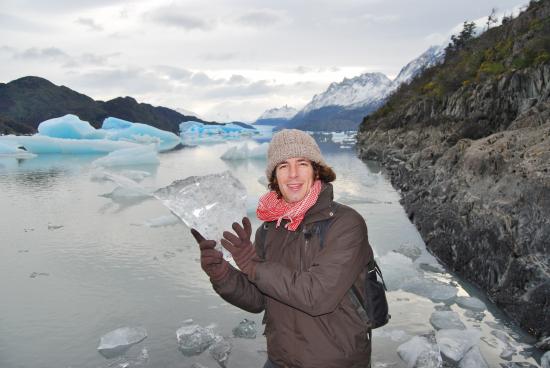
x: 75, y: 264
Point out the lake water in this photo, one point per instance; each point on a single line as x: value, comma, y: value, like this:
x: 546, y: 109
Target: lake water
x: 75, y: 265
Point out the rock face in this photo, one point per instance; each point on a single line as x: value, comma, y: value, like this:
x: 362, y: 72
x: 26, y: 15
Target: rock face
x: 481, y: 205
x: 473, y: 168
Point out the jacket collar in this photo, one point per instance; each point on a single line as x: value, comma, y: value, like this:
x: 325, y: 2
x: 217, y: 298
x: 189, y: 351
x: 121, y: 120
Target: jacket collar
x: 323, y: 208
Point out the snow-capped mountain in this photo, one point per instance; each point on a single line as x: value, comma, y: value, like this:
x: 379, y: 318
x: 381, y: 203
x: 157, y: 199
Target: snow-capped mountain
x: 432, y: 56
x: 187, y: 112
x: 361, y: 90
x: 276, y: 116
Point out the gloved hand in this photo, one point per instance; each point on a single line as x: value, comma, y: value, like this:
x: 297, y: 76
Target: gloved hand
x: 212, y: 261
x: 240, y: 246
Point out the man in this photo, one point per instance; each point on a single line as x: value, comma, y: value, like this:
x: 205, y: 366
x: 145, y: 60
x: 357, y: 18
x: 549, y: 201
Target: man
x: 299, y: 277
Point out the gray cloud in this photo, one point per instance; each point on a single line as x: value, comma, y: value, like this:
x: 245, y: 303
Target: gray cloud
x: 175, y: 16
x: 90, y: 23
x: 237, y: 79
x: 175, y: 73
x: 260, y: 18
x: 15, y: 23
x: 258, y: 88
x: 130, y: 81
x: 222, y: 56
x: 34, y: 53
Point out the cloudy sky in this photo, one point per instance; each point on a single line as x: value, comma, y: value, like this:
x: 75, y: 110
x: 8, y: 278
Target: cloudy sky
x: 225, y: 60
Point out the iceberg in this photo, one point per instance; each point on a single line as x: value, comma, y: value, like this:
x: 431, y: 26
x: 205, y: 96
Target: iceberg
x: 42, y: 144
x: 68, y: 127
x: 11, y: 150
x: 194, y: 132
x: 244, y: 152
x: 471, y: 303
x: 455, y: 343
x: 118, y: 341
x: 118, y: 129
x: 442, y: 320
x: 194, y: 339
x: 209, y: 203
x: 137, y: 155
x: 246, y: 329
x: 421, y: 352
x: 473, y: 359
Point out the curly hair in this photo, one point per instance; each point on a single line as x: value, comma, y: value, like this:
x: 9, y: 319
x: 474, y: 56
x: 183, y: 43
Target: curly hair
x: 321, y: 172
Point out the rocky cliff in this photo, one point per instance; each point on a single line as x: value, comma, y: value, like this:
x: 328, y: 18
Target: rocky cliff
x: 472, y: 161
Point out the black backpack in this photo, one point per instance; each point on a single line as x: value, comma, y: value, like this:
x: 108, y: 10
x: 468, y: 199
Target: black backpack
x: 374, y: 309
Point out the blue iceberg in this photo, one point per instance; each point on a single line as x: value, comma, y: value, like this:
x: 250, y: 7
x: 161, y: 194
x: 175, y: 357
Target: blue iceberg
x: 193, y: 132
x: 39, y: 144
x: 68, y: 127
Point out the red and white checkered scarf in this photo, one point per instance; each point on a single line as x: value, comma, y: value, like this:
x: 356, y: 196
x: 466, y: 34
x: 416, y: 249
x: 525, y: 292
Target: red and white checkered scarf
x: 271, y: 208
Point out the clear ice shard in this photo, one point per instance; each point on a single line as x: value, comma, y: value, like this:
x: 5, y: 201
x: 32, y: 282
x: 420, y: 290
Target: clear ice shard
x: 194, y: 339
x: 209, y: 203
x: 421, y: 352
x: 245, y: 329
x: 118, y: 341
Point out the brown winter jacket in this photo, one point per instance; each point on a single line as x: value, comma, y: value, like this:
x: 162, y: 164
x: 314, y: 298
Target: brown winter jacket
x: 310, y: 319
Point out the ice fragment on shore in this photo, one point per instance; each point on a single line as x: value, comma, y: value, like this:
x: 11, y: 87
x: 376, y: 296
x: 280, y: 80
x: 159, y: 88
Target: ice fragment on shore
x: 434, y: 290
x: 421, y: 352
x: 245, y: 329
x: 470, y: 303
x: 118, y: 341
x: 220, y: 350
x: 455, y: 343
x: 209, y: 203
x: 441, y: 320
x: 194, y: 339
x: 473, y: 359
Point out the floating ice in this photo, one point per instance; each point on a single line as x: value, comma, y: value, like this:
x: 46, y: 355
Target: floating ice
x: 193, y: 132
x: 455, y: 343
x: 245, y: 152
x: 545, y: 360
x: 434, y: 290
x: 517, y: 365
x: 11, y: 150
x: 246, y: 329
x: 220, y: 350
x: 118, y: 129
x: 41, y: 144
x: 161, y: 221
x: 194, y: 339
x: 473, y: 359
x: 471, y: 303
x: 138, y: 155
x: 126, y: 189
x: 398, y: 269
x: 421, y: 352
x: 350, y: 199
x: 394, y: 335
x: 209, y: 203
x: 478, y: 316
x: 446, y: 320
x: 118, y: 341
x: 68, y: 127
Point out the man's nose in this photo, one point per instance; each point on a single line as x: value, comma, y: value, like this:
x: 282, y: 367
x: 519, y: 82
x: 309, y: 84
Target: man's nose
x: 293, y: 170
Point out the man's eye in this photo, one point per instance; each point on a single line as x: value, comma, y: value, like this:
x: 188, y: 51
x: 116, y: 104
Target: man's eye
x: 282, y: 167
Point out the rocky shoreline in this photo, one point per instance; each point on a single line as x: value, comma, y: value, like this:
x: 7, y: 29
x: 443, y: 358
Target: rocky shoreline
x: 474, y: 174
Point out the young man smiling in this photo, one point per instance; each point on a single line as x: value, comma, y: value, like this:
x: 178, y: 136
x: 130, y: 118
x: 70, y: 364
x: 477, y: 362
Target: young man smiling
x: 298, y: 277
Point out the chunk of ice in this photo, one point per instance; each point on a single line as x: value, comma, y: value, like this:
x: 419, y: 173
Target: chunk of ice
x: 42, y: 144
x: 473, y: 359
x: 470, y: 303
x: 245, y: 152
x: 398, y: 269
x: 434, y: 290
x: 161, y: 221
x: 220, y: 350
x: 138, y: 155
x: 209, y: 203
x: 446, y: 320
x: 246, y: 329
x: 68, y: 127
x: 394, y: 335
x: 455, y: 343
x: 118, y: 341
x: 421, y: 352
x: 194, y: 339
x: 11, y: 150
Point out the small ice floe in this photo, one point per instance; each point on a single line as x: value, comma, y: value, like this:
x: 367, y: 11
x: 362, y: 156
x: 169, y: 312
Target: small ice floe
x: 140, y: 155
x: 245, y: 152
x: 505, y: 344
x: 431, y: 289
x: 545, y: 360
x: 442, y: 320
x: 36, y: 274
x: 398, y: 269
x: 194, y: 339
x: 471, y: 303
x: 126, y: 361
x: 473, y: 359
x: 394, y: 335
x: 198, y: 365
x: 23, y: 251
x: 245, y: 329
x: 455, y: 343
x: 220, y: 350
x: 421, y: 352
x: 161, y: 221
x: 54, y: 227
x: 118, y: 341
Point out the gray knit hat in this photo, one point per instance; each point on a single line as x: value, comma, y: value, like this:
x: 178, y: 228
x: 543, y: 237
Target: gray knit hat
x: 291, y: 143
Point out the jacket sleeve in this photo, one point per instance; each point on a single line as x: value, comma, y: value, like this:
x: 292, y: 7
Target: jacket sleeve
x: 320, y: 289
x: 237, y: 290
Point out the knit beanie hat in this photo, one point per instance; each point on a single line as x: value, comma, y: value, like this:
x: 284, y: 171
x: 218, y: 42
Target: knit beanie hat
x: 291, y: 143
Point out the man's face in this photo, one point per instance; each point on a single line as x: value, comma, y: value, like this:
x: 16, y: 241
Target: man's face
x: 295, y: 177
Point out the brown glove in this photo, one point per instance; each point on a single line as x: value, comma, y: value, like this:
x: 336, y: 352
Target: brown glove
x: 241, y: 247
x: 212, y: 261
